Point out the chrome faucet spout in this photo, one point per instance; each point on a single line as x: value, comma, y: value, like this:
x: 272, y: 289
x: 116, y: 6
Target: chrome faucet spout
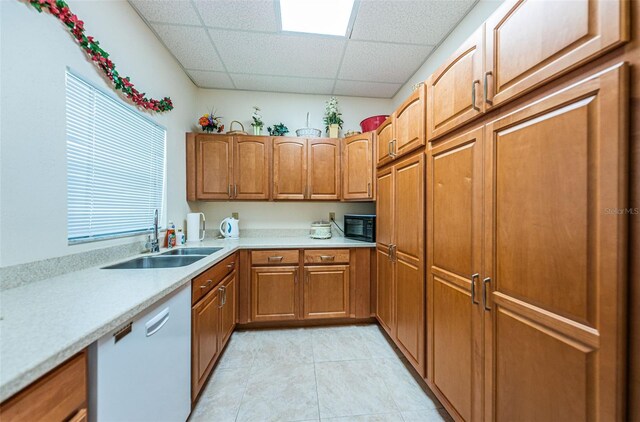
x: 153, y: 244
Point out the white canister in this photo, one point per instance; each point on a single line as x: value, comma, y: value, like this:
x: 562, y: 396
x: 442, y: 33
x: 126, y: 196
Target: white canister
x: 195, y: 227
x: 320, y: 230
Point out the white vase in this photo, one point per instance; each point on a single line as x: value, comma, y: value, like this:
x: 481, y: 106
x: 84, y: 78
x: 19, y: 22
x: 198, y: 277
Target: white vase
x: 333, y: 130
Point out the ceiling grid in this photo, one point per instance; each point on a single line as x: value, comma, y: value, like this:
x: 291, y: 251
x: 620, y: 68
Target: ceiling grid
x: 238, y: 44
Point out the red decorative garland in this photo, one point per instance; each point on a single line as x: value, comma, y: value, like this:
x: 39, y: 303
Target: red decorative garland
x: 60, y: 9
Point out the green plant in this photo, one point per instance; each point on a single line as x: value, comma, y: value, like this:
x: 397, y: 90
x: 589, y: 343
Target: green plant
x: 332, y: 114
x: 278, y: 130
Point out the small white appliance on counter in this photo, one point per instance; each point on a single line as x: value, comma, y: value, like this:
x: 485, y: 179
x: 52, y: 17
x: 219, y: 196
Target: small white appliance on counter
x: 195, y: 227
x: 142, y: 371
x: 320, y: 230
x: 230, y: 228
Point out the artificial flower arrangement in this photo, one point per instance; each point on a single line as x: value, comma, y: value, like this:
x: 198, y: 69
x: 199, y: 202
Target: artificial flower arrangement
x: 211, y: 122
x: 278, y: 130
x: 332, y: 115
x: 257, y: 120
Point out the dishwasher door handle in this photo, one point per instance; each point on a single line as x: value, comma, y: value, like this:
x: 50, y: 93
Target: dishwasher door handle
x: 157, y: 322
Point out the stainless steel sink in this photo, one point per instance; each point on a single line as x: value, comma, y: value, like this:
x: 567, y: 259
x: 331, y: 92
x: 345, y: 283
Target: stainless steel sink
x: 191, y: 251
x: 146, y: 262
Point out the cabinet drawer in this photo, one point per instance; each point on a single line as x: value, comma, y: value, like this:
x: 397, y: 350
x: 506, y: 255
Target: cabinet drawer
x: 55, y: 397
x: 326, y: 256
x: 277, y: 257
x: 206, y: 281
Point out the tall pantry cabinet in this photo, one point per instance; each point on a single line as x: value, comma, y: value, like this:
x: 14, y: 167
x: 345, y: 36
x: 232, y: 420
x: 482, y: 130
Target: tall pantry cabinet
x: 400, y: 256
x: 526, y: 276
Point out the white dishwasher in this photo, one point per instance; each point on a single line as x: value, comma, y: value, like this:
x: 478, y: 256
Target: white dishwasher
x: 142, y: 371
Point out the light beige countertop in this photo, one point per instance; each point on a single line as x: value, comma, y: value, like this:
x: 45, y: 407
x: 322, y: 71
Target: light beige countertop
x: 43, y: 323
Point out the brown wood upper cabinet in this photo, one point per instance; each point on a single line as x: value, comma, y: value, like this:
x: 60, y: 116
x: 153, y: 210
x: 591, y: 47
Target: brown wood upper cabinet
x: 454, y: 91
x: 530, y: 42
x: 306, y: 169
x: 227, y: 167
x: 400, y: 256
x: 384, y: 142
x: 404, y: 131
x: 357, y: 167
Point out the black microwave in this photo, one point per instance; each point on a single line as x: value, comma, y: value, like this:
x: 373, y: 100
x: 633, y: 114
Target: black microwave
x: 360, y: 227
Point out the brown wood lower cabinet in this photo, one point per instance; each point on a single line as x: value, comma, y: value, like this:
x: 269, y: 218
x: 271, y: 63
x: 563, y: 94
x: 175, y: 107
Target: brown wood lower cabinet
x: 326, y: 291
x: 274, y: 293
x: 61, y: 395
x: 213, y: 318
x: 323, y: 284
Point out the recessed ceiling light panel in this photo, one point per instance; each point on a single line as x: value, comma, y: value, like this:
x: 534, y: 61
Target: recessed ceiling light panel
x: 328, y: 17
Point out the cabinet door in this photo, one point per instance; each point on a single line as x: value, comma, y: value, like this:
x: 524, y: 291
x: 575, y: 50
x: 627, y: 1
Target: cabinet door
x: 289, y: 168
x: 384, y: 208
x: 384, y: 136
x: 205, y: 326
x: 323, y: 169
x: 326, y: 292
x: 409, y: 124
x: 214, y: 160
x: 454, y: 91
x: 454, y: 252
x: 274, y: 293
x: 251, y: 168
x: 530, y: 42
x: 385, y: 290
x: 357, y: 167
x: 229, y: 309
x: 556, y: 255
x: 408, y: 255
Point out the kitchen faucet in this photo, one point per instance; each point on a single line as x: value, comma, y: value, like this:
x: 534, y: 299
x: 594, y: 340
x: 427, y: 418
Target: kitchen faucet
x: 154, y: 243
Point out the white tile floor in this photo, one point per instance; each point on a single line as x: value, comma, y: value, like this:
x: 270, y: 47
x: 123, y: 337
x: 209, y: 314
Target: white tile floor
x: 347, y: 373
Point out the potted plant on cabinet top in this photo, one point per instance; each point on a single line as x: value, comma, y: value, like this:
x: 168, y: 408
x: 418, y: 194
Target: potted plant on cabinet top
x: 257, y: 121
x: 332, y: 117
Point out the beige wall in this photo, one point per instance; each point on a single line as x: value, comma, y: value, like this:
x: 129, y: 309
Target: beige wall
x: 472, y: 21
x: 290, y: 109
x: 35, y: 51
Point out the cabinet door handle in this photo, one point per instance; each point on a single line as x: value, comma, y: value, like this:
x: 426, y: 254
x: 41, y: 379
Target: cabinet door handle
x: 474, y: 277
x: 274, y: 258
x: 369, y: 189
x: 484, y: 293
x: 306, y: 277
x: 473, y: 94
x: 207, y: 284
x: 235, y: 190
x: 393, y: 149
x: 229, y: 190
x: 486, y: 87
x: 221, y: 291
x: 295, y: 277
x: 327, y: 257
x: 389, y: 149
x: 389, y: 253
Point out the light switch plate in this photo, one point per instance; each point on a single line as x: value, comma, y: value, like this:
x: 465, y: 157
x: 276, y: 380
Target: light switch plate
x: 235, y: 215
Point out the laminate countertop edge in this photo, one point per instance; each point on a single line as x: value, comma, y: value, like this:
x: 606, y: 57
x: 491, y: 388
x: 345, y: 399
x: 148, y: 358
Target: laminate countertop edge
x: 44, y: 323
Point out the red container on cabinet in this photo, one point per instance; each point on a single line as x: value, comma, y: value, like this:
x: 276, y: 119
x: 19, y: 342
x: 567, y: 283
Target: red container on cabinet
x: 372, y: 123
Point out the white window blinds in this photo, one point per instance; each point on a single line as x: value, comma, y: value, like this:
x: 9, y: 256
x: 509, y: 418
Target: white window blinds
x: 115, y: 165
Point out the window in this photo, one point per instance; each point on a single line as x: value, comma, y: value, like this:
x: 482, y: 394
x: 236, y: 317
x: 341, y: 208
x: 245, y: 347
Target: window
x: 115, y: 165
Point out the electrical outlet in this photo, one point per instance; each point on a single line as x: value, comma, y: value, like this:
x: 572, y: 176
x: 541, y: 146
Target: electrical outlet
x: 332, y: 216
x: 235, y: 215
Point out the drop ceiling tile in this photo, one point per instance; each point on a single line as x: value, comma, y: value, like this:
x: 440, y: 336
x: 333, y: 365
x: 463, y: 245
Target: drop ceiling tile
x: 173, y: 11
x: 279, y: 54
x: 205, y: 79
x: 381, y: 62
x: 416, y: 21
x: 253, y: 15
x: 190, y: 45
x: 365, y: 89
x: 282, y: 84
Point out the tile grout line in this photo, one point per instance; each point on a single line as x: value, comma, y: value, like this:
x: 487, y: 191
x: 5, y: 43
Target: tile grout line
x: 246, y: 384
x: 315, y: 373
